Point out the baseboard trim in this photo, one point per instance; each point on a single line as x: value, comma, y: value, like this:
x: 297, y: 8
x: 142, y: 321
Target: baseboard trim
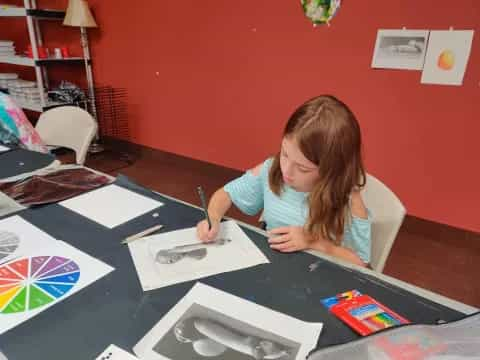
x: 435, y: 230
x: 411, y: 224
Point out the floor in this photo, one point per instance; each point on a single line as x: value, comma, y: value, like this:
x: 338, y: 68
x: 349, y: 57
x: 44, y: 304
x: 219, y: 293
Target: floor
x: 437, y: 257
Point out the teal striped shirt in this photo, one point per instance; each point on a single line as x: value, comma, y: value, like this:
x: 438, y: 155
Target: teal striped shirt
x: 252, y: 193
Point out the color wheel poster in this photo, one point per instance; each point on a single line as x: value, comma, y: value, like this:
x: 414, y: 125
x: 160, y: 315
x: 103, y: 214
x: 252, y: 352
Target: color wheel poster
x: 33, y: 281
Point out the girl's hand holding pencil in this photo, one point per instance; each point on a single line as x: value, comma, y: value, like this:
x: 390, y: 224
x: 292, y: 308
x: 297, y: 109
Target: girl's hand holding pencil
x: 206, y: 233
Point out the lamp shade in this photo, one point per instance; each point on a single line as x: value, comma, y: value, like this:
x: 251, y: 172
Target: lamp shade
x: 78, y: 14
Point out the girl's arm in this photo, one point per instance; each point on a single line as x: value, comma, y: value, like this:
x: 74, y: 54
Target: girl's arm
x: 359, y: 210
x: 247, y: 193
x: 358, y: 207
x: 219, y: 204
x: 341, y: 252
x: 296, y: 238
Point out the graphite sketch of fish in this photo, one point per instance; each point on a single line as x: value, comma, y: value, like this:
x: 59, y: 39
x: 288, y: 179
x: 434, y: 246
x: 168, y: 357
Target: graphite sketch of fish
x: 195, y: 251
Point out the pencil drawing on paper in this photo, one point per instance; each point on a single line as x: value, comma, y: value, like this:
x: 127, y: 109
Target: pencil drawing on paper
x: 194, y: 251
x: 8, y: 243
x: 204, y: 333
x: 400, y: 49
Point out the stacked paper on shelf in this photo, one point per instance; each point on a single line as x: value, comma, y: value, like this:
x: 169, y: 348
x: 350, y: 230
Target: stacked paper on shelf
x: 6, y: 78
x: 24, y: 90
x: 7, y: 48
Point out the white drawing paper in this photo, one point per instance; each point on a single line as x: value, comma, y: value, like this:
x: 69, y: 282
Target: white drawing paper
x: 178, y: 256
x: 447, y: 57
x: 208, y: 323
x: 113, y: 352
x: 31, y: 284
x: 18, y: 238
x: 111, y: 205
x: 400, y: 49
x: 8, y: 206
x: 3, y: 148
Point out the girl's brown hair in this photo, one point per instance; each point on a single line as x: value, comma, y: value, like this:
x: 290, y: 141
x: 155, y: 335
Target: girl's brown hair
x: 328, y: 135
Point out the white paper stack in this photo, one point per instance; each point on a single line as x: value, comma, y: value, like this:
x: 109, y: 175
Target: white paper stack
x: 7, y: 48
x: 24, y: 90
x: 111, y: 205
x: 6, y: 78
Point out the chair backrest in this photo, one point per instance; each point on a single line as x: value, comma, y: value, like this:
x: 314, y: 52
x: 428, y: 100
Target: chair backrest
x: 388, y: 214
x: 68, y: 126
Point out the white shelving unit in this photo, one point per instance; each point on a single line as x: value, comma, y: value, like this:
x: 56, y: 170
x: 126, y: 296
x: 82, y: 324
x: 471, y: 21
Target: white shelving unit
x: 17, y: 60
x: 12, y: 11
x: 33, y: 15
x: 34, y: 106
x: 26, y: 61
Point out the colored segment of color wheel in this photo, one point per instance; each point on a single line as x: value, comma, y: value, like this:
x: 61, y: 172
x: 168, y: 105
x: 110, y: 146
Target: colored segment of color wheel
x: 30, y: 283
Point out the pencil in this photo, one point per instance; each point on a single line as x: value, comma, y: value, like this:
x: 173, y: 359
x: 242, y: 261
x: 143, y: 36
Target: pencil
x: 204, y: 205
x: 141, y: 234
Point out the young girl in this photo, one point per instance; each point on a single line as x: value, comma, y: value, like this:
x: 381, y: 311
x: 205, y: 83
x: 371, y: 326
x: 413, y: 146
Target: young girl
x: 310, y: 191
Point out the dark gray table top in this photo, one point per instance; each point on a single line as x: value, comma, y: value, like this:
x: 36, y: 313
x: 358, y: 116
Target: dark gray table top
x: 115, y: 310
x: 20, y: 161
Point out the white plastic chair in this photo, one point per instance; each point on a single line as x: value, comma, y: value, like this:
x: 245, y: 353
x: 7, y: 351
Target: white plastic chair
x: 68, y: 126
x: 388, y: 214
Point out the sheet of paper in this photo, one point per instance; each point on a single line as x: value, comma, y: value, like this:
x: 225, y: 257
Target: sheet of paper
x: 3, y: 148
x: 111, y: 205
x: 20, y: 238
x: 113, y: 352
x: 178, y: 256
x: 8, y: 205
x: 208, y: 322
x: 400, y: 49
x: 32, y: 283
x: 447, y: 57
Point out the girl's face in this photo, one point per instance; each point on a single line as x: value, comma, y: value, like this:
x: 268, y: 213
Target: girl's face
x: 297, y: 171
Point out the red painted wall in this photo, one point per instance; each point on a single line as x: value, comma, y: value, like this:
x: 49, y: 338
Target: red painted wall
x: 216, y: 80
